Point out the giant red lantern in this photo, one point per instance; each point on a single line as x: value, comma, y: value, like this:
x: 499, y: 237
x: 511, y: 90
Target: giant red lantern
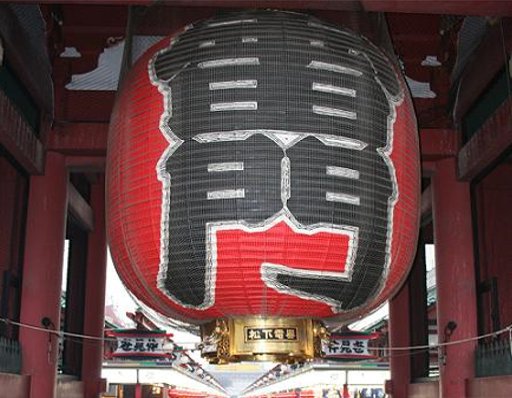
x: 263, y: 164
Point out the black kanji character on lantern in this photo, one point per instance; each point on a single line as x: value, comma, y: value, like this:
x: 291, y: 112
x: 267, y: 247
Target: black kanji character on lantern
x: 331, y: 100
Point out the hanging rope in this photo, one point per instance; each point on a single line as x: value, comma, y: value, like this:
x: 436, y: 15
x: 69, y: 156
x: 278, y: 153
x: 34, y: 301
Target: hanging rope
x: 64, y: 334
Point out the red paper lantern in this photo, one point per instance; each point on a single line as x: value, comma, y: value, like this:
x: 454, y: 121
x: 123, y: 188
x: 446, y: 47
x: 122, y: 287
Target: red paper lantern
x: 263, y: 163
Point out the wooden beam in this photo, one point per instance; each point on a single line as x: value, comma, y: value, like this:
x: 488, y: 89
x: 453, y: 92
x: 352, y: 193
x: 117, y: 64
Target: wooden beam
x: 86, y: 164
x: 86, y: 144
x: 489, y: 58
x: 451, y: 7
x: 80, y: 209
x: 141, y: 320
x: 18, y: 138
x: 486, y: 146
x: 351, y: 5
x: 426, y: 208
x: 79, y: 139
x: 428, y: 169
x: 436, y: 144
x: 426, y: 201
x: 448, y: 7
x: 31, y: 70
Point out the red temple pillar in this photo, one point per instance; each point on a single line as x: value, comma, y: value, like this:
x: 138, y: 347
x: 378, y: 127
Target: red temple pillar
x: 96, y: 275
x: 42, y: 275
x: 399, y: 336
x: 455, y: 277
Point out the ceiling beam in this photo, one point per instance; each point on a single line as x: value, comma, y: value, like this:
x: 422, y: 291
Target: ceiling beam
x: 428, y: 169
x: 487, y: 145
x: 79, y: 139
x: 348, y: 5
x: 80, y: 209
x: 18, y: 138
x: 451, y: 7
x: 86, y: 164
x: 426, y: 201
x: 446, y: 7
x: 438, y: 143
x: 488, y: 59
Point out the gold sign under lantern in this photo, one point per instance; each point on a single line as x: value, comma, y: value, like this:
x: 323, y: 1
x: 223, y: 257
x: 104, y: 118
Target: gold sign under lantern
x: 262, y: 339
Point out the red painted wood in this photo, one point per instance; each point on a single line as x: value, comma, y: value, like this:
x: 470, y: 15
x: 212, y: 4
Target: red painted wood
x: 278, y: 4
x: 16, y: 136
x: 42, y: 274
x: 70, y: 389
x: 426, y: 201
x: 450, y: 7
x: 455, y: 275
x: 86, y: 164
x: 438, y: 143
x: 418, y: 320
x: 493, y: 199
x: 14, y: 386
x: 490, y: 142
x: 90, y: 139
x: 428, y: 169
x: 95, y: 294
x: 457, y: 7
x: 424, y: 390
x: 497, y: 386
x: 399, y: 336
x: 80, y: 209
x: 88, y: 143
x: 491, y: 53
x: 87, y: 106
x: 13, y: 195
x: 85, y: 139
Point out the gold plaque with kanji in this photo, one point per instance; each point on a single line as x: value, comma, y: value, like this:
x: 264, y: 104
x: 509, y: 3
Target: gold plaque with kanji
x: 262, y: 338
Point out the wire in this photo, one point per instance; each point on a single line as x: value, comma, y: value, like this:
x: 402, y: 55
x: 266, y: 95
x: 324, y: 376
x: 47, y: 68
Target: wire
x: 82, y: 339
x: 420, y: 349
x: 507, y: 329
x: 449, y: 343
x: 87, y: 339
x: 55, y: 332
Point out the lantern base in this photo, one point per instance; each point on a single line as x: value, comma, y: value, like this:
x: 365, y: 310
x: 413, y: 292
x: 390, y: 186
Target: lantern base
x: 262, y: 339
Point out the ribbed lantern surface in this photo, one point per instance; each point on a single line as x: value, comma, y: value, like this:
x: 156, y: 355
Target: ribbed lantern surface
x: 263, y: 163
